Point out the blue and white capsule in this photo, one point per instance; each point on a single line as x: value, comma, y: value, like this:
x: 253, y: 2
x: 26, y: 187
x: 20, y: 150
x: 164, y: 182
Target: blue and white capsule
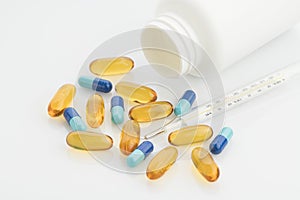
x: 185, y: 103
x: 220, y: 141
x: 74, y: 120
x: 117, y: 110
x: 139, y: 154
x: 97, y: 84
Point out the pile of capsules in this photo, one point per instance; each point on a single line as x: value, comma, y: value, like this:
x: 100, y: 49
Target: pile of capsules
x: 147, y: 110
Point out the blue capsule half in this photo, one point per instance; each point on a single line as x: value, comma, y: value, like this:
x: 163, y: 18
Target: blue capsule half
x: 185, y: 103
x: 74, y: 120
x: 220, y: 141
x: 97, y: 84
x: 139, y: 154
x: 117, y: 110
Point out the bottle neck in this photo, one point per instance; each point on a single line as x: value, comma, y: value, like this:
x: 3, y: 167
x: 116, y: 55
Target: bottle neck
x: 178, y: 38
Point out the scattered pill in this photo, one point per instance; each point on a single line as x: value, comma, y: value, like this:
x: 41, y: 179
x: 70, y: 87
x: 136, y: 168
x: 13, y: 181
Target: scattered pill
x: 89, y: 141
x: 117, y: 110
x: 61, y: 100
x: 184, y: 105
x: 111, y: 66
x: 74, y: 120
x: 161, y: 162
x: 136, y: 93
x: 221, y: 140
x: 205, y: 164
x: 97, y: 84
x: 95, y: 111
x: 139, y: 154
x: 151, y: 111
x: 190, y: 135
x: 130, y: 137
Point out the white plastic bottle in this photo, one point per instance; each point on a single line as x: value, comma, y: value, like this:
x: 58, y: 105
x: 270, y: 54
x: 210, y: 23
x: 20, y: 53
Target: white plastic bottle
x: 225, y: 30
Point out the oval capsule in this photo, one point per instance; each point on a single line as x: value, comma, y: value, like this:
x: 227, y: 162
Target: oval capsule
x: 136, y: 93
x: 95, y: 111
x: 89, y: 141
x: 190, y: 135
x: 97, y: 84
x: 111, y: 66
x: 74, y: 120
x: 161, y: 162
x: 61, y: 100
x: 221, y: 140
x: 205, y: 164
x: 185, y: 103
x: 151, y: 111
x: 130, y: 137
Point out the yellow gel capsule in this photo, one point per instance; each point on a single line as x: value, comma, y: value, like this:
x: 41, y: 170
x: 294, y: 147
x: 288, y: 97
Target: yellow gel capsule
x: 161, y: 163
x: 130, y: 137
x: 95, y: 111
x: 61, y: 100
x: 136, y: 93
x: 89, y: 141
x: 205, y: 164
x: 151, y: 111
x: 111, y: 66
x: 190, y: 135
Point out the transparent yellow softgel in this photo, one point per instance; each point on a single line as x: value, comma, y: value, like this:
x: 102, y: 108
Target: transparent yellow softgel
x: 205, y: 164
x: 130, y: 137
x: 151, y: 111
x: 89, y: 141
x: 190, y: 135
x: 95, y: 111
x: 161, y: 163
x: 111, y: 66
x: 61, y: 100
x: 136, y: 93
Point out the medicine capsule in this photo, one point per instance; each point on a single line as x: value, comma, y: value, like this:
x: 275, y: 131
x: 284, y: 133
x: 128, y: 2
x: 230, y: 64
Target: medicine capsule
x: 95, y: 111
x: 89, y: 141
x: 221, y: 140
x: 61, y: 100
x: 117, y: 110
x: 161, y: 163
x: 151, y: 111
x: 130, y: 137
x: 185, y: 103
x: 97, y: 84
x: 190, y: 135
x: 205, y: 164
x: 74, y: 120
x: 111, y: 66
x: 136, y: 93
x: 139, y: 154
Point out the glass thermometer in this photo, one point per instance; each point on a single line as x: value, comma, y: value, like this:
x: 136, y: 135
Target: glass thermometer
x: 231, y: 100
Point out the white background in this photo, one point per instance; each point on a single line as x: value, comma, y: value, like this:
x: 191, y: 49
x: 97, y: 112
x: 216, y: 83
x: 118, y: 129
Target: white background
x: 43, y: 45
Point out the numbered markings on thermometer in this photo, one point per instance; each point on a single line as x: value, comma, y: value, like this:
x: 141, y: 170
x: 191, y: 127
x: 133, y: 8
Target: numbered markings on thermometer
x: 151, y: 111
x: 61, y: 100
x: 205, y: 164
x: 190, y: 135
x: 161, y: 163
x: 136, y: 93
x: 89, y: 141
x: 130, y: 137
x: 95, y: 111
x: 111, y: 66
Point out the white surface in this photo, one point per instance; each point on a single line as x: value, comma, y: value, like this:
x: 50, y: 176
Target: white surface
x: 43, y: 45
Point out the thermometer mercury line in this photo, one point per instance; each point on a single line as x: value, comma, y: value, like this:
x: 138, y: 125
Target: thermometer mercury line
x: 231, y: 100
